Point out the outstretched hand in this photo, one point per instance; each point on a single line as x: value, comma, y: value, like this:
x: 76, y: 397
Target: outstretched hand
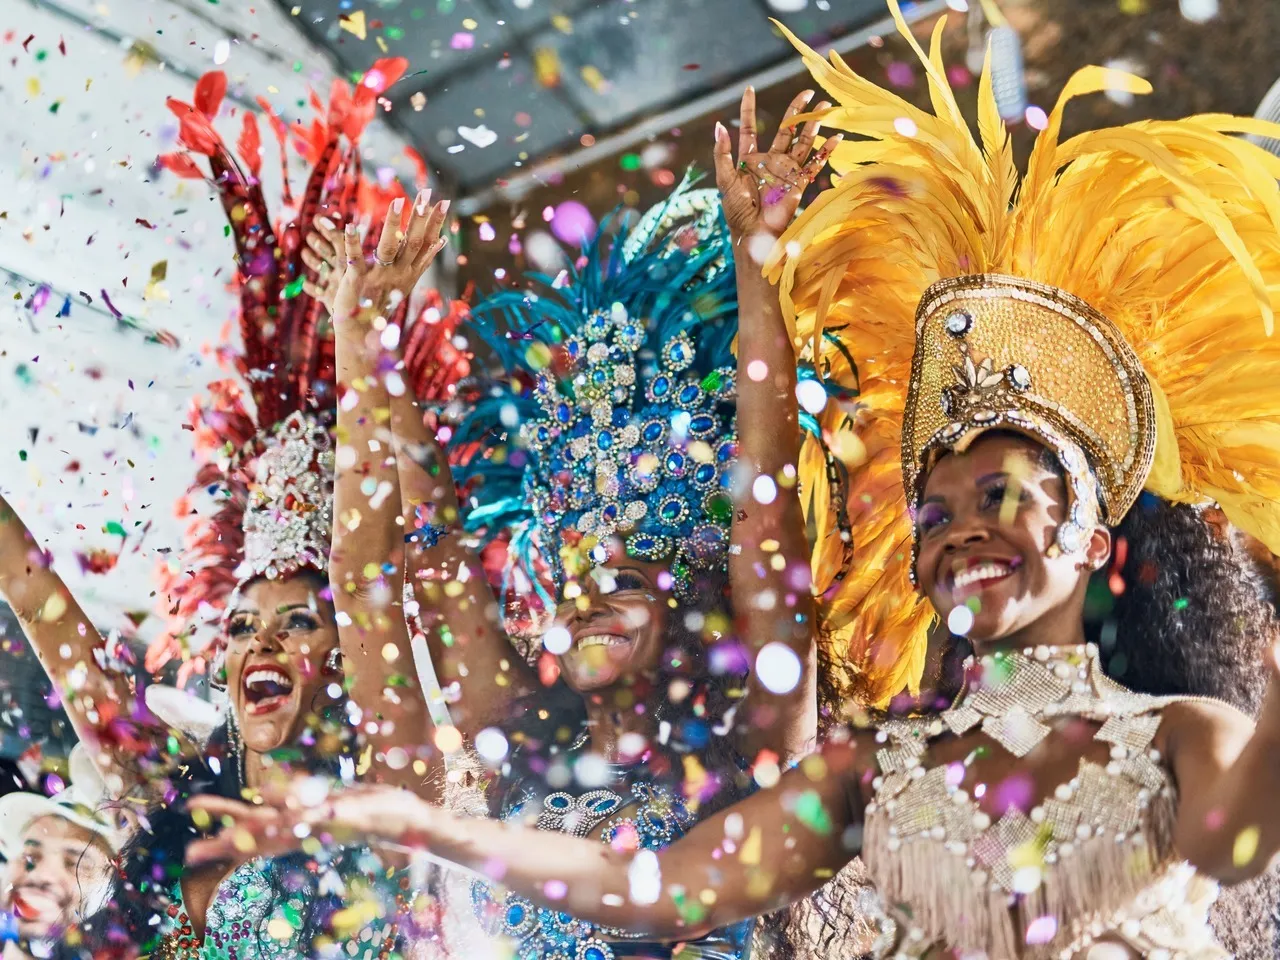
x: 292, y: 810
x: 349, y: 282
x: 762, y: 191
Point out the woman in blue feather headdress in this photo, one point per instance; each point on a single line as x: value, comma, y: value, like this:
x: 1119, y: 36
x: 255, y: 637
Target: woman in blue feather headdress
x: 646, y: 499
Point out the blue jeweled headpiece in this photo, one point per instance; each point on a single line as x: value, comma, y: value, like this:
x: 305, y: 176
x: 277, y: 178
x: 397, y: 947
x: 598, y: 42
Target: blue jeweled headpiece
x: 615, y: 412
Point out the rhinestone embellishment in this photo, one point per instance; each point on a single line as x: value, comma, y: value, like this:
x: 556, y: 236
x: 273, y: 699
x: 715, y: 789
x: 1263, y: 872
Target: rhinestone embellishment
x: 958, y: 322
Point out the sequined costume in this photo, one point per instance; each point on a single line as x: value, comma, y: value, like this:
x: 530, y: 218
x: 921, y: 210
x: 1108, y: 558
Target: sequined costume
x: 947, y: 866
x: 1114, y: 306
x: 634, y: 811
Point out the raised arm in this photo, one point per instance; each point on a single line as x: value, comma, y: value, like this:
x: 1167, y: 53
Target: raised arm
x: 1228, y: 776
x: 101, y: 705
x: 769, y: 559
x: 459, y: 615
x: 366, y: 567
x: 763, y: 852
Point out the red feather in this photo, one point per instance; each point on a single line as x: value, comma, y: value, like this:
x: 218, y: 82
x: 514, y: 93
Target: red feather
x: 180, y: 164
x: 249, y: 146
x: 420, y: 165
x: 278, y: 126
x: 195, y: 132
x: 210, y: 90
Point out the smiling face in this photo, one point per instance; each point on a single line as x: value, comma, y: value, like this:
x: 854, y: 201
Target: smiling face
x: 617, y: 624
x: 61, y: 868
x: 986, y: 525
x: 279, y: 636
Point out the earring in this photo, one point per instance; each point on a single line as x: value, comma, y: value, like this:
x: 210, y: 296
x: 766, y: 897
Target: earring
x: 333, y: 662
x: 236, y: 746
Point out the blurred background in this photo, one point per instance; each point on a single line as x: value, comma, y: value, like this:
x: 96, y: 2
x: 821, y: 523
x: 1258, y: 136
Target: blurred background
x: 538, y: 117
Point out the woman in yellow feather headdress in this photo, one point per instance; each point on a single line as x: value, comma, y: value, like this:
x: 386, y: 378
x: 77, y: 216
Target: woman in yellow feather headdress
x: 1056, y: 376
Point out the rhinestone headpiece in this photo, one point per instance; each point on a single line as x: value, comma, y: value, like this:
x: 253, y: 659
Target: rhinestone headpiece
x: 614, y: 414
x: 643, y: 455
x: 288, y: 519
x: 997, y: 352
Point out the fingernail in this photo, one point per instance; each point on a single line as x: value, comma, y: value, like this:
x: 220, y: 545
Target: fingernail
x: 751, y: 89
x: 350, y: 230
x: 721, y: 131
x: 325, y: 222
x: 424, y: 200
x: 444, y: 207
x: 397, y: 204
x: 807, y: 95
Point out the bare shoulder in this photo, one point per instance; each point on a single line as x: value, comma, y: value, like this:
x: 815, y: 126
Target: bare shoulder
x: 1202, y: 722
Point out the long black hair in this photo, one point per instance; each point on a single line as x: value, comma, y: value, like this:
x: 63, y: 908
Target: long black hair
x: 545, y: 724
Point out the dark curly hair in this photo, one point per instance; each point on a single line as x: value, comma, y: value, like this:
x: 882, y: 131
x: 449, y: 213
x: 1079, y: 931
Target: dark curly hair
x: 1192, y: 615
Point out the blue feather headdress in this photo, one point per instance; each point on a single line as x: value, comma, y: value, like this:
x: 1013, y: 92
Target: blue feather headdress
x: 614, y: 412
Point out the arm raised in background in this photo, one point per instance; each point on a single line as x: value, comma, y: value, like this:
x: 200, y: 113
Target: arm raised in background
x: 101, y: 704
x: 459, y: 615
x: 366, y: 566
x: 769, y: 558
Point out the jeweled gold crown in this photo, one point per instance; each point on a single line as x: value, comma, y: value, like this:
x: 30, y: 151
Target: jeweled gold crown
x: 994, y: 351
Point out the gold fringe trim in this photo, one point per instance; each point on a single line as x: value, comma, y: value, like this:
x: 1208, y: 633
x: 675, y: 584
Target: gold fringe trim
x: 935, y: 892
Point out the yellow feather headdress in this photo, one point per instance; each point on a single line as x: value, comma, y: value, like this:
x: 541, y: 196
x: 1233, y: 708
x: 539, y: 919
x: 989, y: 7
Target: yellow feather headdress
x: 1168, y: 231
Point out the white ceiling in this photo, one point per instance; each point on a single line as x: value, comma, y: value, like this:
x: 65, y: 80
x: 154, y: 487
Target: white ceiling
x: 99, y: 395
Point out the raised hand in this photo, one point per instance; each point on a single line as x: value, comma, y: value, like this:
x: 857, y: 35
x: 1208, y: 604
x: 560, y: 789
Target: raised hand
x: 349, y: 281
x: 762, y: 191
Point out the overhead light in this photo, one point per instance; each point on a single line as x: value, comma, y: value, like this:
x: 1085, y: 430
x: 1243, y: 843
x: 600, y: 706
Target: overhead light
x: 788, y: 6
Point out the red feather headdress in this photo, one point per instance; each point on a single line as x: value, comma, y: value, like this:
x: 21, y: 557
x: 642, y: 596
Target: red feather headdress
x: 287, y: 362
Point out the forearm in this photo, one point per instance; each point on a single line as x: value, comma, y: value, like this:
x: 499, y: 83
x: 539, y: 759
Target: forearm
x: 752, y: 870
x: 459, y: 615
x: 1230, y: 828
x: 366, y: 563
x: 101, y: 706
x: 769, y: 564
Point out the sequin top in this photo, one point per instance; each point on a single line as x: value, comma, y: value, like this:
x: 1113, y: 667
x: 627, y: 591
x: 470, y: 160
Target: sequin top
x: 1094, y: 860
x: 647, y: 816
x: 248, y: 920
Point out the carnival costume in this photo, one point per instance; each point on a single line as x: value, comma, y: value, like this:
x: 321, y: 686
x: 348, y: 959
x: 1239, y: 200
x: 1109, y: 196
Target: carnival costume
x: 1114, y: 306
x: 614, y: 417
x: 271, y: 473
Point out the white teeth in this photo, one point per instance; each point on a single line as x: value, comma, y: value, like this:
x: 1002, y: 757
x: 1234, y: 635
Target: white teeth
x: 986, y: 571
x: 269, y: 676
x: 601, y: 640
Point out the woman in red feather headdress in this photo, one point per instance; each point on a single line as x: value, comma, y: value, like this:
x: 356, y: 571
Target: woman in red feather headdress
x: 300, y: 679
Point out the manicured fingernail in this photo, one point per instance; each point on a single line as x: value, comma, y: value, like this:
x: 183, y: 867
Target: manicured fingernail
x: 397, y: 204
x: 721, y: 131
x: 444, y: 207
x: 806, y: 96
x: 424, y: 200
x: 350, y: 230
x: 325, y: 222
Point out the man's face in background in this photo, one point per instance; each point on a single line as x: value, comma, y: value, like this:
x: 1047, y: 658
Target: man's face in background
x: 59, y: 867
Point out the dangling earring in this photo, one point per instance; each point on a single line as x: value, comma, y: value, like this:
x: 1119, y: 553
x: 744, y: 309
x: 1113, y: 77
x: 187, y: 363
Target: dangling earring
x: 236, y: 746
x: 333, y: 662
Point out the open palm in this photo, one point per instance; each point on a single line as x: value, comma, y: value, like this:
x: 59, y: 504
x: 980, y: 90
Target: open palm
x: 762, y: 191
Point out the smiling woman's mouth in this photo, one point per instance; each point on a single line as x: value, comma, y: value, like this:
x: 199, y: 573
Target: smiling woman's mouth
x: 266, y: 688
x: 601, y: 640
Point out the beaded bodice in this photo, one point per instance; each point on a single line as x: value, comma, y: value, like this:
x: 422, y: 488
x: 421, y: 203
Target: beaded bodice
x: 644, y: 816
x: 248, y: 920
x: 1044, y: 881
